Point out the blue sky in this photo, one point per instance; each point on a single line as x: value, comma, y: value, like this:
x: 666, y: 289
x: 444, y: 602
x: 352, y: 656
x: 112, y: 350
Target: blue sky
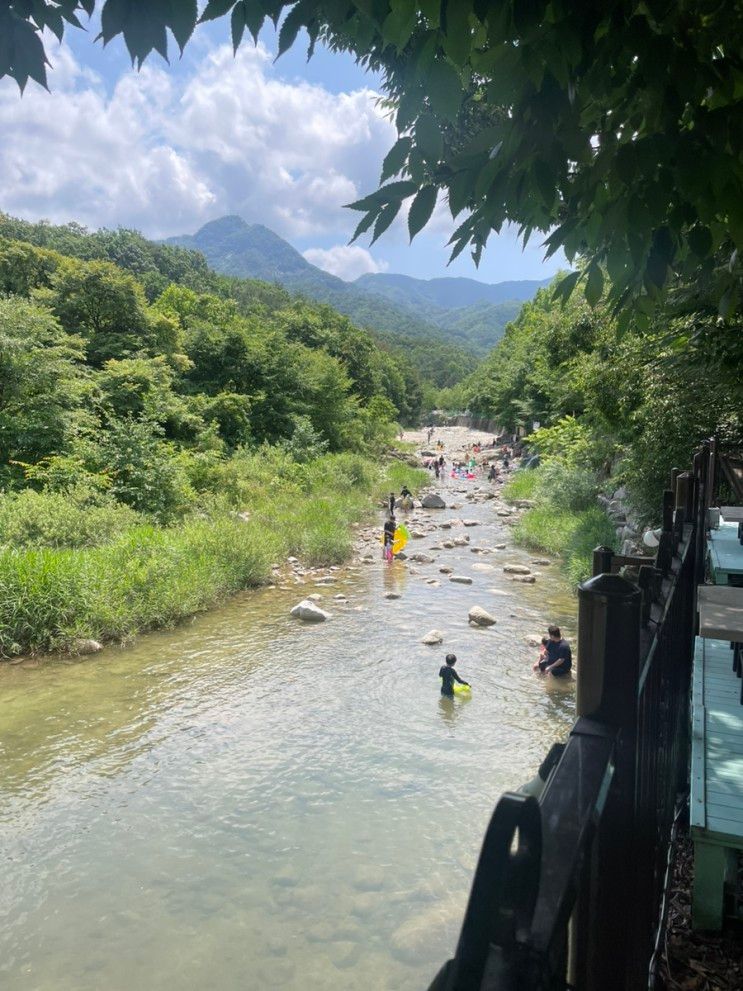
x: 165, y: 150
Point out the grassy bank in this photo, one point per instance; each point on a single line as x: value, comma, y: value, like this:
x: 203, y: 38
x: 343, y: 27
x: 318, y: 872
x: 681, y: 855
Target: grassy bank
x: 562, y: 524
x: 144, y: 576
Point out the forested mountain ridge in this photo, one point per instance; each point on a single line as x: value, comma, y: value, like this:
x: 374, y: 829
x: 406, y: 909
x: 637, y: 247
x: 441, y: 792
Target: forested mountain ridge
x: 448, y: 293
x: 156, y: 264
x: 462, y: 312
x: 234, y: 247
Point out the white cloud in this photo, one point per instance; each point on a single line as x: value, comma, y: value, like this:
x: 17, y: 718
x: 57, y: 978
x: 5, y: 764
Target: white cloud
x: 347, y: 261
x: 166, y: 155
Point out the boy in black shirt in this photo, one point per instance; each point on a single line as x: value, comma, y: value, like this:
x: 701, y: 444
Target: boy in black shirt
x: 448, y: 676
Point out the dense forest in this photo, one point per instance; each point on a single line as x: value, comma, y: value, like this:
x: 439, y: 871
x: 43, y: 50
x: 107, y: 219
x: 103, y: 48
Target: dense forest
x: 615, y: 406
x: 167, y: 433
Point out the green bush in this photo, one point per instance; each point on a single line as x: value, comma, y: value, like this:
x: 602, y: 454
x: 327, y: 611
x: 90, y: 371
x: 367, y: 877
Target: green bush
x: 570, y: 535
x: 79, y: 518
x: 566, y: 486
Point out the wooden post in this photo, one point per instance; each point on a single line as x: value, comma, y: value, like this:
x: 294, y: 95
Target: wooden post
x: 602, y: 560
x: 666, y: 543
x: 608, y: 676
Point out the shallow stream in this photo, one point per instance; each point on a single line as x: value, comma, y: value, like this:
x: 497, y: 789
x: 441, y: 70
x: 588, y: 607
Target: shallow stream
x: 250, y: 802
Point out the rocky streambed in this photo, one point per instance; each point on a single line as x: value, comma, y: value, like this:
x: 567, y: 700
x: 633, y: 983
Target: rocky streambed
x: 254, y: 800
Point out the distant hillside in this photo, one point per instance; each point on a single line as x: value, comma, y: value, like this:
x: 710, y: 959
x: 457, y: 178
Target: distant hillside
x: 448, y: 294
x: 472, y: 313
x: 462, y: 312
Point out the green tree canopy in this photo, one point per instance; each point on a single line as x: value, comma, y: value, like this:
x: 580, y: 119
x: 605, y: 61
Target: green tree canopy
x: 614, y: 128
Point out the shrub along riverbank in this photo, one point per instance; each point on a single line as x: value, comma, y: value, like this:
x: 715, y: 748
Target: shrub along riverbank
x: 117, y: 581
x: 564, y: 521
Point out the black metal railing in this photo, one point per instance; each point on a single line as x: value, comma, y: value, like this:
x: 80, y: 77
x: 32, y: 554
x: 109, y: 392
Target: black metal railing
x: 568, y: 888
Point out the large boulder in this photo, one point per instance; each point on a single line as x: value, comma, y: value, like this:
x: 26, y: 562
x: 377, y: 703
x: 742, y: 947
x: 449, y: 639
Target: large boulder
x: 433, y: 637
x: 433, y: 501
x: 309, y: 612
x: 481, y: 617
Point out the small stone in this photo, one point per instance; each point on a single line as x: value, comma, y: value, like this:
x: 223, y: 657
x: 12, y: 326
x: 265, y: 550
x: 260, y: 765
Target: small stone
x: 470, y: 522
x: 433, y: 637
x: 315, y: 597
x: 417, y: 534
x: 516, y: 569
x: 445, y: 570
x: 481, y: 617
x: 541, y: 561
x: 445, y: 526
x: 460, y: 579
x: 421, y: 558
x: 461, y: 541
x: 524, y: 579
x: 499, y: 547
x: 392, y: 595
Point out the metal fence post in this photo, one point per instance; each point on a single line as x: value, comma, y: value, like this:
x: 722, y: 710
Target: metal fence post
x: 608, y: 674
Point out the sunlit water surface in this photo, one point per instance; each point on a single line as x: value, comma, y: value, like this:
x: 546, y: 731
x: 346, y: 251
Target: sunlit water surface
x: 249, y: 802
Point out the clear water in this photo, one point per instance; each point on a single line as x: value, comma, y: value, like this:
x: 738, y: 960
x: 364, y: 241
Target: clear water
x: 249, y: 802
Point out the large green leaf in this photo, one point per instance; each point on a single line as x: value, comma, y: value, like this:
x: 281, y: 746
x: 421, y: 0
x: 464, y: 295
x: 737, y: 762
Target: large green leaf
x: 421, y: 209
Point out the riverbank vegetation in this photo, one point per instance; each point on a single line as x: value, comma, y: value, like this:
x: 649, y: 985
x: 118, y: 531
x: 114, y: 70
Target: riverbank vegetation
x: 162, y: 445
x: 614, y: 408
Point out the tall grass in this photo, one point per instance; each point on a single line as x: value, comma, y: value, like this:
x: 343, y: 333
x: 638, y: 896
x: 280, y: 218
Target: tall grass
x: 149, y: 577
x: 554, y: 526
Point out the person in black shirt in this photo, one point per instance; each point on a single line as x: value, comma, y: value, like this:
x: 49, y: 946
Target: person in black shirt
x: 448, y: 676
x: 392, y: 503
x: 558, y: 658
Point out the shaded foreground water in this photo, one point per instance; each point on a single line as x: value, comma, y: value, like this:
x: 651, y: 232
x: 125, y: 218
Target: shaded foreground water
x: 247, y: 802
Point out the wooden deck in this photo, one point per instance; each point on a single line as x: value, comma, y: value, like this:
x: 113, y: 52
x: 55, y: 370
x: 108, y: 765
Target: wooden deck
x: 725, y: 554
x: 716, y: 778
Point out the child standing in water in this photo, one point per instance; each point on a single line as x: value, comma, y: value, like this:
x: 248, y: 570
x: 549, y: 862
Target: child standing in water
x: 389, y: 537
x: 448, y: 676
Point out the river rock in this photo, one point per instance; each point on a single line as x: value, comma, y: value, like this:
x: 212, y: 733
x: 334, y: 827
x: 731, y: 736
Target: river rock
x: 445, y: 570
x: 499, y: 547
x: 315, y: 597
x: 448, y: 544
x: 401, y: 556
x: 481, y: 617
x: 524, y: 579
x: 86, y: 647
x: 533, y: 640
x: 461, y: 541
x: 516, y: 569
x: 504, y: 512
x: 421, y: 558
x: 309, y: 612
x: 433, y: 501
x: 542, y: 562
x: 392, y: 595
x: 460, y: 579
x: 433, y: 637
x: 417, y: 534
x: 445, y: 526
x: 470, y: 522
